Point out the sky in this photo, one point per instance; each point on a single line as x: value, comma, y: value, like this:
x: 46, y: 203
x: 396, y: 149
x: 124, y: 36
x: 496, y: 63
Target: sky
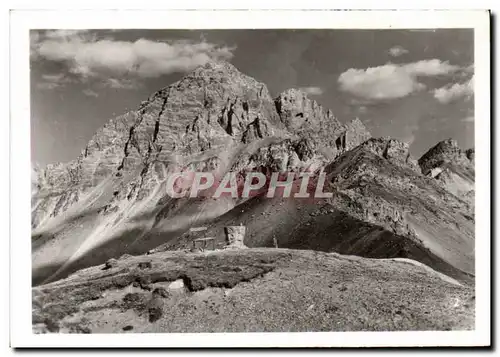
x: 412, y: 85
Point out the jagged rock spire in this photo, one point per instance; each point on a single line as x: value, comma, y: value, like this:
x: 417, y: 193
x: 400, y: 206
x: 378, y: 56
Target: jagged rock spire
x: 445, y: 152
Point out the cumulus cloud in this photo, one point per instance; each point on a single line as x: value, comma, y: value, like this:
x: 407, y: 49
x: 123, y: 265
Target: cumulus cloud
x: 391, y: 81
x: 469, y: 119
x: 312, y: 90
x: 432, y: 67
x: 397, y: 51
x: 384, y: 82
x: 88, y: 56
x: 455, y: 91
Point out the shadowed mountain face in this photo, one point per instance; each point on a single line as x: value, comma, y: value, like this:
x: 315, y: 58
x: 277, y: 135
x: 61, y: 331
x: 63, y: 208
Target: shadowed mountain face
x: 112, y: 200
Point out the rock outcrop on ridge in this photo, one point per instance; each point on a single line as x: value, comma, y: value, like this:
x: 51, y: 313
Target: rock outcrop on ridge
x: 452, y: 167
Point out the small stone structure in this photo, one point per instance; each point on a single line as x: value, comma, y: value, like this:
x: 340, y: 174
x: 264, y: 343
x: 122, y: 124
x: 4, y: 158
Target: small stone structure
x: 207, y: 243
x: 275, y: 241
x: 235, y: 236
x: 200, y: 241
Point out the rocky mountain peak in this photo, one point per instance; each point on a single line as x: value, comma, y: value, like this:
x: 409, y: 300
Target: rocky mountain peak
x: 211, y: 107
x: 355, y: 134
x: 393, y: 150
x: 470, y: 153
x: 452, y: 168
x: 223, y: 77
x: 298, y: 112
x: 215, y: 65
x: 306, y: 118
x: 446, y: 152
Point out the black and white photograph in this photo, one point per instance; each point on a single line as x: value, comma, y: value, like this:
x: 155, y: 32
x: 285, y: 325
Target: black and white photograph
x: 258, y: 180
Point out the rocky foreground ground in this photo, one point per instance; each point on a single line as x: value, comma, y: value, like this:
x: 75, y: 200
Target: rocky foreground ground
x: 258, y: 289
